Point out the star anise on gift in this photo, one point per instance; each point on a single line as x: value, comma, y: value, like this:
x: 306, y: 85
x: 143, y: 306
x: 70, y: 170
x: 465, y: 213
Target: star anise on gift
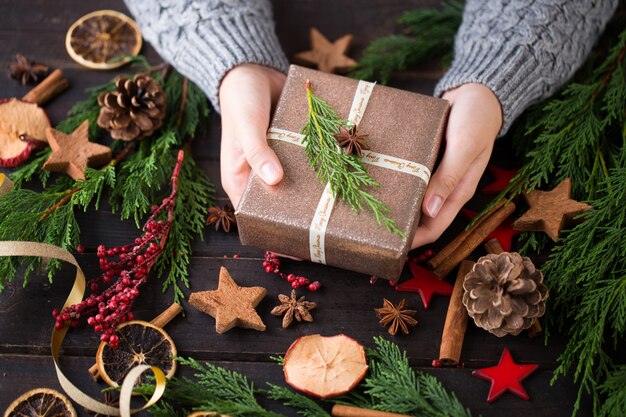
x: 25, y: 71
x: 293, y: 307
x: 396, y: 317
x: 222, y: 217
x: 351, y: 141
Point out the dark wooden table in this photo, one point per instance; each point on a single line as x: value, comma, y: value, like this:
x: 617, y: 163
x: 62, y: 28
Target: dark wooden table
x: 37, y: 29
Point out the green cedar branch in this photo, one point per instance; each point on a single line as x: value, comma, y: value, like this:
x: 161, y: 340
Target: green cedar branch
x: 346, y: 174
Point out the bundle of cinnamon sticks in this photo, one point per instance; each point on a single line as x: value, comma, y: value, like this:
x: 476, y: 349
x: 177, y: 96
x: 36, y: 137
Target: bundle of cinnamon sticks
x: 465, y: 243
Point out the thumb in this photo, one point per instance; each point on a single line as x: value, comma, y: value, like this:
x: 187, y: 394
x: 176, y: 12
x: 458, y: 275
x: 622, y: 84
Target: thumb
x: 259, y: 155
x: 454, y: 165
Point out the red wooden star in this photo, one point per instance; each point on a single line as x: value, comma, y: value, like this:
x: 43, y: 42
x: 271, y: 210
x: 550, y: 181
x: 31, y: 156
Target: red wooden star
x: 503, y: 177
x: 504, y: 233
x: 506, y: 376
x: 425, y: 283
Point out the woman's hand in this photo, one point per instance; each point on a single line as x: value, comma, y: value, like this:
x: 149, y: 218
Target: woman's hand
x: 246, y: 95
x: 475, y: 120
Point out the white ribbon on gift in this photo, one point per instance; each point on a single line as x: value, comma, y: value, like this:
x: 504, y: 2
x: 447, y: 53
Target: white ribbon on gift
x: 317, y: 230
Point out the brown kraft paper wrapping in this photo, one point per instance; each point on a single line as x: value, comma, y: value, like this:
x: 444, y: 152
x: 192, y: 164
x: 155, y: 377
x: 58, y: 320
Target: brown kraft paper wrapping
x: 398, y: 123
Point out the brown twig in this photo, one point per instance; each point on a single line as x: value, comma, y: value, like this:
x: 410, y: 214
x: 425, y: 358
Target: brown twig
x: 154, y: 68
x: 183, y: 102
x: 66, y: 198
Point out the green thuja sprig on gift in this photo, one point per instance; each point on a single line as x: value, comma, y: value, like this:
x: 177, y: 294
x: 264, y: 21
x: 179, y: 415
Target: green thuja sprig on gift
x: 428, y: 35
x: 346, y: 174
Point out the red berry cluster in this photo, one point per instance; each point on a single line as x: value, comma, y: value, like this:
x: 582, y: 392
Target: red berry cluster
x: 124, y: 270
x: 272, y: 264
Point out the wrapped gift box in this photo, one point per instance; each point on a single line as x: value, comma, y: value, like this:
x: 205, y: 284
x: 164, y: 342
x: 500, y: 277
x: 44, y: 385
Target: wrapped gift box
x: 404, y: 131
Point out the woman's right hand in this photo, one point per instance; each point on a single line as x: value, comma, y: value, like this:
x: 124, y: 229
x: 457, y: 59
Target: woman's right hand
x: 247, y: 94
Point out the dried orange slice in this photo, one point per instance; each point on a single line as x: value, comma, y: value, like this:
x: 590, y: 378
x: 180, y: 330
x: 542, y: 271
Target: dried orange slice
x: 140, y: 343
x: 41, y: 402
x: 325, y: 366
x: 99, y: 39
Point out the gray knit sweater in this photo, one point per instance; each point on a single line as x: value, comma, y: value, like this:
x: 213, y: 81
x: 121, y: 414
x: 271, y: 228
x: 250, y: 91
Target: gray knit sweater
x: 524, y: 50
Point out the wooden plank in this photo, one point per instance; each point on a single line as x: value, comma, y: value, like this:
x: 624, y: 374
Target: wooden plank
x: 346, y: 305
x: 20, y: 373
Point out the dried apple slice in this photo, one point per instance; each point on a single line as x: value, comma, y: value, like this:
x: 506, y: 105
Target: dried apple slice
x: 41, y: 402
x: 325, y: 366
x: 22, y: 129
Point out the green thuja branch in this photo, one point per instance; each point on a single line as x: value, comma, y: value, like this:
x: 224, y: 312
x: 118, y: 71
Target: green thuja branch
x: 213, y: 389
x: 391, y: 385
x: 135, y: 179
x: 595, y: 284
x: 346, y: 174
x: 581, y: 134
x: 305, y: 406
x: 428, y: 35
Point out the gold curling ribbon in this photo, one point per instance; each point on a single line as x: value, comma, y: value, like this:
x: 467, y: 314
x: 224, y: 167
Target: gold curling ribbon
x: 5, y: 184
x: 45, y: 250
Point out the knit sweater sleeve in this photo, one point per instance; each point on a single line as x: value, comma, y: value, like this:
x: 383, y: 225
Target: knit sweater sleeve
x: 204, y: 39
x: 524, y: 50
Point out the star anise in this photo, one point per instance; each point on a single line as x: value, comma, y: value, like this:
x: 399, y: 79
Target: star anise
x: 292, y: 307
x: 25, y: 71
x: 222, y: 217
x: 108, y: 399
x: 351, y: 141
x: 396, y: 316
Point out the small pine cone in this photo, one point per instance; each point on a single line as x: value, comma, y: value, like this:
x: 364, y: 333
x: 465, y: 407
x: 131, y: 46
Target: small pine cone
x: 504, y: 293
x: 135, y: 110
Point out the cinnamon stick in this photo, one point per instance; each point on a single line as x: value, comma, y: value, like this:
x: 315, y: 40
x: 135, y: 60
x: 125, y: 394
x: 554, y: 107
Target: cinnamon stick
x: 49, y: 88
x: 474, y: 239
x: 340, y: 410
x: 456, y: 321
x: 493, y: 246
x: 159, y: 321
x: 449, y: 249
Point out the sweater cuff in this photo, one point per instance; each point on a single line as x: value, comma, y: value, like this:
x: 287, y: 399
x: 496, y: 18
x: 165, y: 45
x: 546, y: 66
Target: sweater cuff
x: 218, y: 45
x: 509, y: 71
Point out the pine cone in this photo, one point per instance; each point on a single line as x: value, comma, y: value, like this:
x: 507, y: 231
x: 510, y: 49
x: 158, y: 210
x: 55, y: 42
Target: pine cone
x: 504, y: 293
x: 135, y: 110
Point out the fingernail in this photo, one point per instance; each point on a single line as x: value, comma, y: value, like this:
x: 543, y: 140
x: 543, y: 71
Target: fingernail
x: 434, y: 205
x: 269, y: 172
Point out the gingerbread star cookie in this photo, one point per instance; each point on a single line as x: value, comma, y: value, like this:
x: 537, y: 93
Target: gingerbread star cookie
x: 230, y: 305
x: 326, y: 55
x: 550, y: 211
x: 73, y: 153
